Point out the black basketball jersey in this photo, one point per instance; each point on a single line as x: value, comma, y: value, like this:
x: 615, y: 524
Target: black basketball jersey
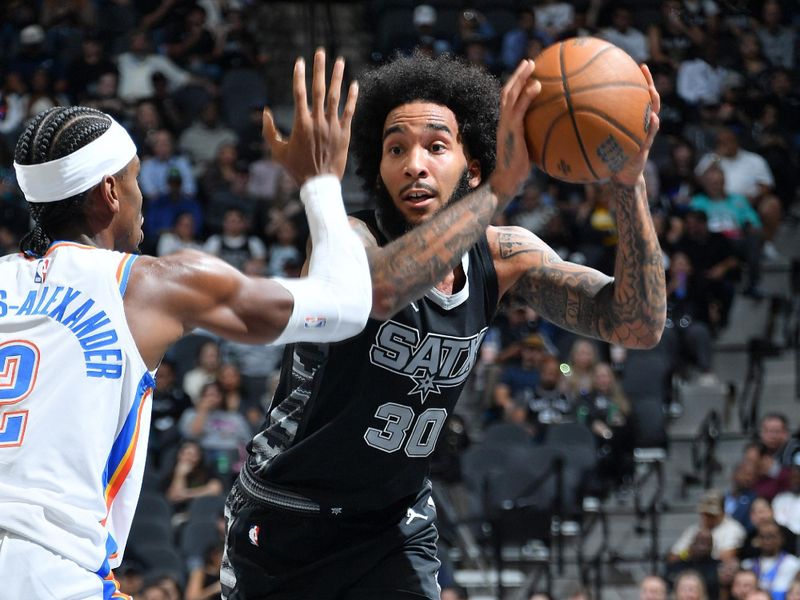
x: 353, y: 424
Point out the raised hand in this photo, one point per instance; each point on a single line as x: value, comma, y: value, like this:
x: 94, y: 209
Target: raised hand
x: 320, y: 138
x: 634, y: 168
x: 513, y: 162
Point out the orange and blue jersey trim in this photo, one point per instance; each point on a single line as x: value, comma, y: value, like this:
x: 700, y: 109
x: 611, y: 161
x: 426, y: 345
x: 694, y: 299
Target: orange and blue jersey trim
x: 123, y: 450
x: 111, y: 589
x: 55, y: 245
x: 124, y: 271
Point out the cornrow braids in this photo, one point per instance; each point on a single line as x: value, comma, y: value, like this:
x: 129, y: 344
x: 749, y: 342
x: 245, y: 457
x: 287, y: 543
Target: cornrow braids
x: 50, y: 135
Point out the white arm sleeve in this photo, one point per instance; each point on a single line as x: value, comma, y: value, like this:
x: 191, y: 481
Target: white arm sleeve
x: 334, y: 301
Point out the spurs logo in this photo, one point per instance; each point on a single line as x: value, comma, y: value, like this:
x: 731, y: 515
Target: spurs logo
x: 435, y: 362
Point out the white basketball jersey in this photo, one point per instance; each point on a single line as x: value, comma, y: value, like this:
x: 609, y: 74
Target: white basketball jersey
x: 75, y: 398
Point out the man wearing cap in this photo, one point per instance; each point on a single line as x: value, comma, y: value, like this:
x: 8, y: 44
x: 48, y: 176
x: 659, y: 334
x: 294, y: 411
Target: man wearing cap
x: 727, y: 534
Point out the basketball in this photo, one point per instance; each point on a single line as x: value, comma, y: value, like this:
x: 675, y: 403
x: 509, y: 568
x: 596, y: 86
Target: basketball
x: 592, y: 114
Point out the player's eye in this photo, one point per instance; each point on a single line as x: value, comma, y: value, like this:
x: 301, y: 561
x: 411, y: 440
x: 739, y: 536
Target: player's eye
x: 394, y: 150
x: 437, y: 147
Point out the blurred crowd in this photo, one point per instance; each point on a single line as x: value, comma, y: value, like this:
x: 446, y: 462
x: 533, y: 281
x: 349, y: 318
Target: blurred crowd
x: 185, y: 77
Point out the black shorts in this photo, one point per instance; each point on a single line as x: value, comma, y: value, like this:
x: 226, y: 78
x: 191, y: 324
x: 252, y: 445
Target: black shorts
x: 277, y: 554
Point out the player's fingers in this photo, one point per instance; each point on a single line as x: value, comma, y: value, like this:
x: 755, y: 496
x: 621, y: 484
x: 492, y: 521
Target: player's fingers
x: 515, y: 83
x: 335, y: 88
x: 318, y: 84
x: 529, y: 92
x: 655, y: 98
x: 299, y: 89
x: 270, y: 132
x: 349, y: 107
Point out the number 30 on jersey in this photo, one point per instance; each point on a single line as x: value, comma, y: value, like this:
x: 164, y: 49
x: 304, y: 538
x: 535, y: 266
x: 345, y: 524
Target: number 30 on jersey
x: 19, y: 364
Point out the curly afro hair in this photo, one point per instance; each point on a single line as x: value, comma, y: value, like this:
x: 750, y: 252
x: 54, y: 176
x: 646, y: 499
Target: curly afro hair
x: 471, y: 93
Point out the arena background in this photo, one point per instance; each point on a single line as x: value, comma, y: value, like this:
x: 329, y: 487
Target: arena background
x: 188, y: 80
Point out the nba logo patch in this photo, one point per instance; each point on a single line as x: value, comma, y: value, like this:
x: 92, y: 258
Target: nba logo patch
x: 253, y: 534
x: 41, y: 270
x: 315, y: 322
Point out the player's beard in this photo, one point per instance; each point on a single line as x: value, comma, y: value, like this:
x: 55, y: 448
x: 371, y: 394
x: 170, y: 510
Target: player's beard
x: 391, y: 220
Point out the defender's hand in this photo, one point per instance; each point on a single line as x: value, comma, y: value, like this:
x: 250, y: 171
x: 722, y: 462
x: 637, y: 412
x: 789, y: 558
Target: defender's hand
x: 513, y: 162
x: 634, y: 168
x: 320, y: 139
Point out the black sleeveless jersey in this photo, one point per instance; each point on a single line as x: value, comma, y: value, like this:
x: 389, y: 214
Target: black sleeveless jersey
x: 353, y: 424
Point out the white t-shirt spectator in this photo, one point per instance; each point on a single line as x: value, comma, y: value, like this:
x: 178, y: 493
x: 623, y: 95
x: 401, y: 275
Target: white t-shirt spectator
x: 776, y: 573
x: 743, y: 172
x: 786, y: 507
x: 632, y: 41
x: 699, y: 82
x: 728, y: 535
x: 136, y: 75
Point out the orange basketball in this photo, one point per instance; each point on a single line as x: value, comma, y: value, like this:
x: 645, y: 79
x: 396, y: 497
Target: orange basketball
x: 592, y: 114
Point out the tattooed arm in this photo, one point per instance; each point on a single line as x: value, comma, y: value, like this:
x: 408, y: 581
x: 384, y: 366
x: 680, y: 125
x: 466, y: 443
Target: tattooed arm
x: 628, y: 309
x: 407, y: 267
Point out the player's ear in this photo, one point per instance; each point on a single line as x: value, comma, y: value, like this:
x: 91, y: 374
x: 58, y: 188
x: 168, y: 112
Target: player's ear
x: 474, y: 173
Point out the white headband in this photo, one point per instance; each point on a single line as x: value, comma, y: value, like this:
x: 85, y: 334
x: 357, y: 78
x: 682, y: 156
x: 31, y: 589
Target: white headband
x: 77, y: 172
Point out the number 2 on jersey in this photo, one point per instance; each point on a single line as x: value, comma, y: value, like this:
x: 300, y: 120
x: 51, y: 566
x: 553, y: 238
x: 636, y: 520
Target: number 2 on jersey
x: 19, y: 364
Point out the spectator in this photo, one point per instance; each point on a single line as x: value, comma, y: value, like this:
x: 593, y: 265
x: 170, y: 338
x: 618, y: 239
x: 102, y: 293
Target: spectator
x: 515, y: 41
x: 181, y: 236
x: 741, y: 495
x: 752, y: 64
x: 42, y: 94
x: 714, y: 260
x: 84, y: 72
x: 732, y: 216
x: 671, y: 37
x: 675, y: 112
x: 188, y: 479
x: 549, y: 405
x: 582, y: 361
x: 533, y: 210
x: 597, y: 229
x: 624, y: 35
x: 203, y: 583
x: 205, y: 136
x: 518, y: 382
x: 774, y: 567
x: 773, y: 432
x: 147, y: 120
x: 698, y: 560
x: 103, y: 95
x: 235, y: 245
x: 759, y: 594
x: 265, y: 175
x: 162, y: 212
x: 12, y: 108
x: 728, y: 535
x: 220, y: 174
x: 169, y: 403
x: 257, y: 365
x: 155, y: 170
x: 761, y: 514
x: 687, y: 333
x: 747, y: 174
x: 776, y: 38
x: 284, y: 252
x: 554, y: 16
x: 137, y: 66
x: 701, y: 78
x: 773, y: 478
x: 653, y: 587
x: 605, y: 410
x: 191, y: 45
x: 726, y: 571
x: 678, y: 181
x: 204, y: 371
x: 219, y: 429
x: 744, y: 582
x: 33, y: 56
x: 689, y: 586
x: 786, y: 505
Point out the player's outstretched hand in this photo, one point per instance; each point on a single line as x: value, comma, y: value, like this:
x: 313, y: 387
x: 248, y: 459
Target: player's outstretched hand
x: 320, y: 138
x: 634, y: 168
x: 513, y: 162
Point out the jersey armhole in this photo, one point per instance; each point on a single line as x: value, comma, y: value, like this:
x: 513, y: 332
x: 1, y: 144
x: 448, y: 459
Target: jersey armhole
x: 124, y: 272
